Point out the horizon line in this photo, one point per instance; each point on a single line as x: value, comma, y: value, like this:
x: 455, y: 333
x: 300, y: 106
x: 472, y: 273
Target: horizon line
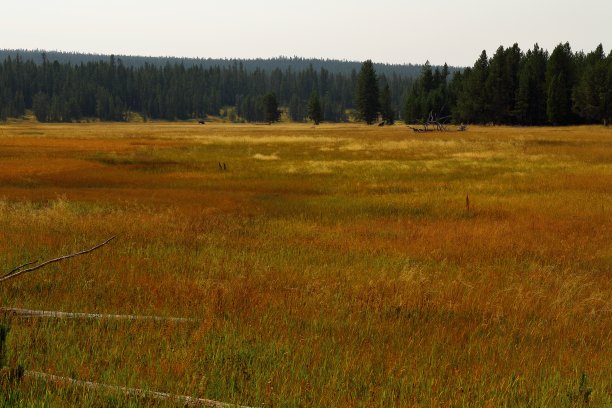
x: 102, y: 54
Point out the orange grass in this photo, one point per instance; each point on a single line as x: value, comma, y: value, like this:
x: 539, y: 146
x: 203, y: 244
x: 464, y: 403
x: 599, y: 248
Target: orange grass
x: 330, y: 266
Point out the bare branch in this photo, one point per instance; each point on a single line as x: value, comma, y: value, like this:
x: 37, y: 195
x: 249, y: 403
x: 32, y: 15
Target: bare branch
x: 434, y: 122
x: 50, y: 261
x: 17, y: 268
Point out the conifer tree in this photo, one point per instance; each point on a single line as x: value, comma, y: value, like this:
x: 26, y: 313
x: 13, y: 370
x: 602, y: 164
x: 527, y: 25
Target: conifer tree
x: 366, y: 94
x: 473, y: 101
x: 314, y: 108
x: 530, y: 108
x: 502, y: 83
x: 296, y: 111
x: 591, y: 95
x: 608, y: 95
x: 560, y: 78
x: 40, y: 106
x: 429, y: 94
x: 386, y: 109
x: 556, y: 106
x: 270, y: 104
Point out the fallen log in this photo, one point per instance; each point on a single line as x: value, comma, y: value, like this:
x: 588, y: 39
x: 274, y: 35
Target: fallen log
x: 91, y: 316
x: 132, y: 392
x: 419, y: 130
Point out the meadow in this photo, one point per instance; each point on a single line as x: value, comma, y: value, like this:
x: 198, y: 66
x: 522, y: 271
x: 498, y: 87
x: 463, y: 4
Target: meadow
x: 328, y: 266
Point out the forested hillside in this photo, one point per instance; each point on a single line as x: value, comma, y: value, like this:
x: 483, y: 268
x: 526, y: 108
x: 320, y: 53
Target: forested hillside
x: 512, y: 87
x: 64, y: 91
x: 250, y: 65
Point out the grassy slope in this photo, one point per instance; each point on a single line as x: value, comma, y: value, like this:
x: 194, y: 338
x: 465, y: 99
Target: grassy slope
x: 330, y: 266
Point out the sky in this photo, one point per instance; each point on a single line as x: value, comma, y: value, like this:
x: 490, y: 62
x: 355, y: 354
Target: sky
x: 391, y: 31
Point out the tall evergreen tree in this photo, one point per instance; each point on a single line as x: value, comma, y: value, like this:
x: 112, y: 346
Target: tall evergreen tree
x: 40, y: 107
x: 608, y: 94
x: 386, y: 109
x: 556, y: 107
x: 417, y: 104
x: 367, y: 102
x: 530, y: 108
x: 314, y: 108
x: 296, y: 110
x: 560, y: 79
x: 591, y: 95
x: 272, y: 114
x: 473, y: 100
x: 429, y: 94
x: 502, y: 83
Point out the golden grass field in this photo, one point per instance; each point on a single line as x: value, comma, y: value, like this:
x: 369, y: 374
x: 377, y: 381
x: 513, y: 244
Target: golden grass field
x: 334, y: 266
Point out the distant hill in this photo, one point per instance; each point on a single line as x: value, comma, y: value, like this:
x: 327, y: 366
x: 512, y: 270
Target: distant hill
x: 283, y: 63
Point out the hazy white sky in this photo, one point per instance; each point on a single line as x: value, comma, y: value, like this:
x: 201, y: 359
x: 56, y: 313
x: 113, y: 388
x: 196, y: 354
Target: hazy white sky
x: 453, y: 31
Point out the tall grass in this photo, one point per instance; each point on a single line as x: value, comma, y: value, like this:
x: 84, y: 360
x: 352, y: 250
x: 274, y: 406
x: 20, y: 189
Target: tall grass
x: 345, y: 272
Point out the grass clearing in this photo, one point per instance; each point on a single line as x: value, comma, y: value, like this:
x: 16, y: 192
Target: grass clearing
x: 328, y: 266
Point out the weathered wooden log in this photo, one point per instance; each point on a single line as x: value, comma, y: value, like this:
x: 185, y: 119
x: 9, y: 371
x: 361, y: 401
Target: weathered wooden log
x: 132, y: 392
x: 13, y: 311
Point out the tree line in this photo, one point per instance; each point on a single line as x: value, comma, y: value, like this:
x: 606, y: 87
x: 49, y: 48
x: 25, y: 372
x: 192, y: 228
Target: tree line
x: 517, y: 88
x: 511, y: 87
x: 265, y: 64
x: 110, y: 90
